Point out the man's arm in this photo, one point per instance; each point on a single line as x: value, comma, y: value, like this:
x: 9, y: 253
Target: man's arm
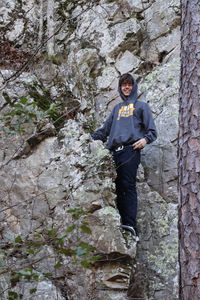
x: 103, y: 132
x: 150, y: 129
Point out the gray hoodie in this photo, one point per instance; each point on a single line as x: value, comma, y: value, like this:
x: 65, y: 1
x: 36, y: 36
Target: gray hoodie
x: 129, y: 121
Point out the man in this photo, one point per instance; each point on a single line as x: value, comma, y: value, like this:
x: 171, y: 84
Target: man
x: 130, y: 127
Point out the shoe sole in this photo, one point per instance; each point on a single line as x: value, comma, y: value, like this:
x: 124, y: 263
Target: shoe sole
x: 132, y: 230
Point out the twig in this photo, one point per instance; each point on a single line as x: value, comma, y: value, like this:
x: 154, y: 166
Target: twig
x: 27, y: 200
x: 21, y: 69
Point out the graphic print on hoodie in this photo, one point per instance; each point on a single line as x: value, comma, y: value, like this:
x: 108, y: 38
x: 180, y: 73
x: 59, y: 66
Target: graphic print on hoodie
x: 128, y: 122
x: 126, y: 111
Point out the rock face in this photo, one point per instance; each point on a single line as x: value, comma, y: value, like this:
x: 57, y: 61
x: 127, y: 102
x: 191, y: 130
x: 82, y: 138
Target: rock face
x: 71, y: 53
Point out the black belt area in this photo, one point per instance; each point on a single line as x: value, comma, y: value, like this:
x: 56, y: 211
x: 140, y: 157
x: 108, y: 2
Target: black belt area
x: 121, y: 147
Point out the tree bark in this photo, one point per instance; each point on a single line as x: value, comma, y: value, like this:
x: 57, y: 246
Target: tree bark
x: 189, y: 152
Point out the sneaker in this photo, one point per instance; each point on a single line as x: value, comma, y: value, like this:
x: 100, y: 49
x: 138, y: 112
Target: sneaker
x: 132, y: 230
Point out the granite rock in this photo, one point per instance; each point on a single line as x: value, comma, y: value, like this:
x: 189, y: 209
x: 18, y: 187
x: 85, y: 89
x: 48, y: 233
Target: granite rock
x: 78, y: 67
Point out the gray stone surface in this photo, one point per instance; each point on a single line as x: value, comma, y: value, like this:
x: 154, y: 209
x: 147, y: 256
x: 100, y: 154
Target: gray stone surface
x: 127, y: 62
x: 79, y: 67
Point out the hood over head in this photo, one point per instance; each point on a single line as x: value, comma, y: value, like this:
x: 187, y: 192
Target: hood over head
x: 133, y: 94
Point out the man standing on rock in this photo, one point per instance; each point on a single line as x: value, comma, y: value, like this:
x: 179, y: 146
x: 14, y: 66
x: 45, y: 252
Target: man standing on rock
x: 130, y: 127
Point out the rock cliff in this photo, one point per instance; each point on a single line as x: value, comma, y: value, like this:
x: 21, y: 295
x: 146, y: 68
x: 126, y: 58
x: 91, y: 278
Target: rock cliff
x: 60, y: 62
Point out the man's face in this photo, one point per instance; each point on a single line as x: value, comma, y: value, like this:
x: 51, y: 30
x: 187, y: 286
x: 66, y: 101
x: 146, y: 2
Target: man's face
x: 126, y: 87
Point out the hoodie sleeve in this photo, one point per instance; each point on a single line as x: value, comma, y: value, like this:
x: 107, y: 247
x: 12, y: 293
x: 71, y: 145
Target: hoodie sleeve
x: 149, y: 125
x: 103, y: 132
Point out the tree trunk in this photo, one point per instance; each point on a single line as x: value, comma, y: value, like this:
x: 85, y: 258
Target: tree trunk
x: 189, y: 152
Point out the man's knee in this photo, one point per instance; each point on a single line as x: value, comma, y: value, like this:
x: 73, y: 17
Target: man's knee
x: 128, y: 185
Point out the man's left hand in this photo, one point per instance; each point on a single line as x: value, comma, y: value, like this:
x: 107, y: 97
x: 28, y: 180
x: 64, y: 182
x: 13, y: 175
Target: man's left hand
x: 140, y: 144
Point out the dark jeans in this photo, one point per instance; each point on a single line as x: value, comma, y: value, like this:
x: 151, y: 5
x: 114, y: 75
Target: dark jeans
x: 127, y: 162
